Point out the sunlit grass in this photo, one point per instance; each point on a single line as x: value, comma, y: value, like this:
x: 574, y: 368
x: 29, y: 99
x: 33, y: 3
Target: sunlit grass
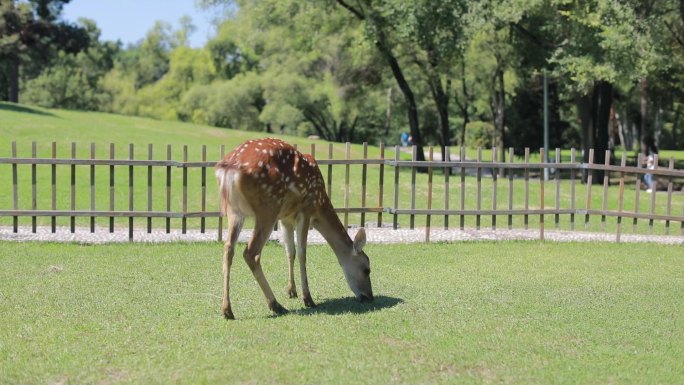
x: 508, y: 312
x: 64, y: 127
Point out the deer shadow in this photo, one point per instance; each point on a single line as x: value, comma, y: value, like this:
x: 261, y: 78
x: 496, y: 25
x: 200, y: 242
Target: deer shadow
x: 349, y: 305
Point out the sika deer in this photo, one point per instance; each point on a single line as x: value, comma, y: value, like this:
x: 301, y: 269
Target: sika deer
x: 270, y: 180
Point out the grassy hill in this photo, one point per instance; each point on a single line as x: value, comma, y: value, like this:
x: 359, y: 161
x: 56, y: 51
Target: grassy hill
x: 27, y: 124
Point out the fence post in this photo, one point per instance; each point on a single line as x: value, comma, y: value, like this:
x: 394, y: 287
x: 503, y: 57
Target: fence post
x: 168, y: 188
x: 462, y: 217
x: 184, y: 220
x: 395, y: 220
x: 72, y: 219
x: 669, y: 197
x: 149, y: 187
x: 527, y: 187
x: 364, y: 170
x: 15, y: 189
x: 606, y: 179
x: 572, y: 190
x: 557, y: 180
x: 203, y: 202
x: 54, y: 188
x: 479, y: 188
x: 347, y: 156
x: 330, y: 171
x: 414, y: 157
x: 447, y: 175
x: 34, y: 188
x: 381, y: 183
x: 590, y: 177
x: 542, y: 180
x: 510, y: 188
x: 131, y: 156
x: 111, y: 187
x: 637, y: 190
x: 623, y: 163
x: 92, y: 187
x: 429, y: 202
x: 653, y: 195
x: 495, y: 177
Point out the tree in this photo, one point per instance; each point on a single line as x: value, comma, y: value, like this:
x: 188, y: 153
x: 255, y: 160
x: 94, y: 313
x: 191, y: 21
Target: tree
x: 31, y: 35
x: 72, y: 81
x: 379, y: 27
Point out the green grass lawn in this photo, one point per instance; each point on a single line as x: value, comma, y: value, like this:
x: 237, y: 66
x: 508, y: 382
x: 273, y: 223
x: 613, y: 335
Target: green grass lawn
x: 27, y: 124
x: 509, y: 312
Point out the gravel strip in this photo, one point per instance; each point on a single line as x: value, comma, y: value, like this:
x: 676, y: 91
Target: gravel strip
x: 375, y: 235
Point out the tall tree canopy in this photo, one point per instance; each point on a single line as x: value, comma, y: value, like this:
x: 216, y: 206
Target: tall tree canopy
x: 450, y: 72
x: 31, y: 35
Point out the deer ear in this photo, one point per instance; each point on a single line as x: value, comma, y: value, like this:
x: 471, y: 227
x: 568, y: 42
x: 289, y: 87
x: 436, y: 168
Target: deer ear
x: 360, y: 240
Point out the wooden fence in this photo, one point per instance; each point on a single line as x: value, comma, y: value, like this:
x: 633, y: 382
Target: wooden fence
x: 123, y: 189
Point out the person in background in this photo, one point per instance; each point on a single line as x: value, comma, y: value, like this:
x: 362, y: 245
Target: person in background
x: 650, y: 153
x: 404, y: 139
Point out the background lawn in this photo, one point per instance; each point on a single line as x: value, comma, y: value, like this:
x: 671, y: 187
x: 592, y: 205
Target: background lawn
x: 507, y: 312
x: 27, y: 124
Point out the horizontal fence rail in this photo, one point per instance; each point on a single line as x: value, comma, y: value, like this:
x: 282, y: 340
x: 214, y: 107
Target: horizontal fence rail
x: 113, y: 189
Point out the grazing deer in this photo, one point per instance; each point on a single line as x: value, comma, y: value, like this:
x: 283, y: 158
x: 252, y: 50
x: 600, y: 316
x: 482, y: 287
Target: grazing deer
x: 270, y: 180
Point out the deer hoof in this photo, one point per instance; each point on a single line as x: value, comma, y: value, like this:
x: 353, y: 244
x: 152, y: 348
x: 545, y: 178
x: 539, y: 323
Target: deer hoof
x: 277, y: 308
x: 308, y: 302
x: 228, y: 314
x: 292, y: 292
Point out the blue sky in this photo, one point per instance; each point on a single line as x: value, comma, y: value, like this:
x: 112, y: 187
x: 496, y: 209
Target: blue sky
x: 129, y: 20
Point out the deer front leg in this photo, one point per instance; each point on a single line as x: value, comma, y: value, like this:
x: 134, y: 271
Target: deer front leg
x: 302, y: 234
x: 288, y: 236
x: 234, y: 227
x: 252, y: 255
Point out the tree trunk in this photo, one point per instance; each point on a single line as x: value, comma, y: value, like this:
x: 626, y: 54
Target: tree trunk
x: 643, y: 110
x: 441, y: 99
x: 500, y: 119
x: 621, y: 132
x: 584, y: 108
x: 386, y: 51
x: 409, y: 98
x: 14, y: 80
x: 388, y: 115
x: 463, y: 106
x: 603, y: 100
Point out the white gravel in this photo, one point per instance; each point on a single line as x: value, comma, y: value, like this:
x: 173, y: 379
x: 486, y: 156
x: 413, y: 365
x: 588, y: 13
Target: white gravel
x: 375, y: 235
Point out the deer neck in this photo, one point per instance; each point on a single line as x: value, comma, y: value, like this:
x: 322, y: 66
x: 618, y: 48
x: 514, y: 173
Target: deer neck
x: 328, y: 224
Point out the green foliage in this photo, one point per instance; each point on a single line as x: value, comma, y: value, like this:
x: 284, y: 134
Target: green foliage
x: 31, y: 36
x: 317, y: 68
x: 480, y: 134
x: 72, y: 81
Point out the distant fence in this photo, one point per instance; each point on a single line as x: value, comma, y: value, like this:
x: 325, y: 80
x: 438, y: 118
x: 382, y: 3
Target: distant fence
x: 175, y: 190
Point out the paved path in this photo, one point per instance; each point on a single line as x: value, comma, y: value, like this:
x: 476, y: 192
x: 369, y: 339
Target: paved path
x: 375, y: 235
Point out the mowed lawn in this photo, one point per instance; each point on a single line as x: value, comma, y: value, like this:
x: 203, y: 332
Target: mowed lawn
x: 488, y: 312
x: 24, y: 125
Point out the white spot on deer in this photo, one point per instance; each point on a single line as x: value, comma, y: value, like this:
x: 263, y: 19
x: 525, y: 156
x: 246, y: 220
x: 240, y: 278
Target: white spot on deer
x: 261, y: 163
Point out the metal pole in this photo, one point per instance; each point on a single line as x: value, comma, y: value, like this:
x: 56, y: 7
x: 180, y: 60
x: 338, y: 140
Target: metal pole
x: 546, y: 125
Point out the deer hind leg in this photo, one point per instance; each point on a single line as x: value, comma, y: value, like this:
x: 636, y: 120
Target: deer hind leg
x: 252, y: 255
x: 234, y: 227
x: 302, y: 234
x: 290, y: 252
